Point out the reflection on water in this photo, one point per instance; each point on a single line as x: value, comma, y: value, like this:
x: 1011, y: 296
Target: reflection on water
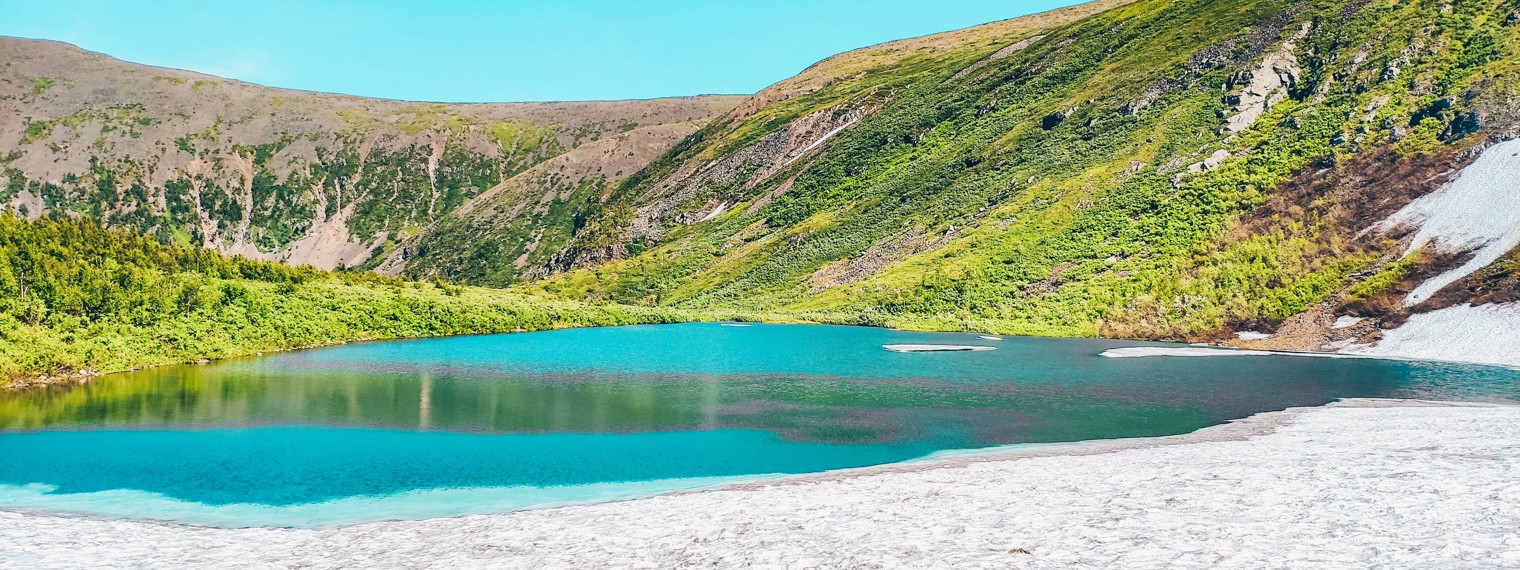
x: 630, y: 404
x: 803, y: 382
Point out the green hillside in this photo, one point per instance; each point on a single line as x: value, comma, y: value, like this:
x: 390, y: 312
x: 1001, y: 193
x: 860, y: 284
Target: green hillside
x: 1168, y: 169
x: 77, y: 298
x: 1149, y: 171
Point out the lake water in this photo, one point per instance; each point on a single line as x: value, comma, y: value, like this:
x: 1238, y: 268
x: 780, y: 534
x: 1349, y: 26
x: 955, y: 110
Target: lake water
x: 416, y: 429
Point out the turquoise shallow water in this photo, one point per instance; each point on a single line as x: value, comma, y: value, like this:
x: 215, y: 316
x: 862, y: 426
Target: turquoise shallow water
x: 493, y: 423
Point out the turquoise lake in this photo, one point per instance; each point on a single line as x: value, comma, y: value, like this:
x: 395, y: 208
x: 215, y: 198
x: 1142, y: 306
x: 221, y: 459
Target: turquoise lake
x: 440, y: 427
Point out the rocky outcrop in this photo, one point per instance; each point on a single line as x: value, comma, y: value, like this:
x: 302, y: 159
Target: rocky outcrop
x: 1266, y: 85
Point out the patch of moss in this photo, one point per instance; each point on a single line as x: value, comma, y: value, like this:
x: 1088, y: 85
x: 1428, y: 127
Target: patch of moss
x: 41, y: 84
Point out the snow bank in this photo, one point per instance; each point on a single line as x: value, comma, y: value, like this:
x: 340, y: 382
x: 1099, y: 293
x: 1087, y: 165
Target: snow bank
x: 1479, y: 213
x: 1252, y: 335
x: 410, y: 505
x: 1485, y: 334
x: 1339, y: 486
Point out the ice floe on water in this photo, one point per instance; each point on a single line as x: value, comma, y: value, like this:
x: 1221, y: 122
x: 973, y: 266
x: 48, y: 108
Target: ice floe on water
x: 989, y: 337
x: 1331, y: 487
x: 935, y: 347
x: 735, y: 324
x: 1479, y: 212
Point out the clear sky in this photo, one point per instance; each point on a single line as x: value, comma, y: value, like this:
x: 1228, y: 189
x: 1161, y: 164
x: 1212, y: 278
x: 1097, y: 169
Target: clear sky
x: 504, y: 50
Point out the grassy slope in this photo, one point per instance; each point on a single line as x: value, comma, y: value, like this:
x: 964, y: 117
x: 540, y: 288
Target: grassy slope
x: 1094, y: 225
x: 1047, y: 192
x: 104, y: 301
x: 515, y: 236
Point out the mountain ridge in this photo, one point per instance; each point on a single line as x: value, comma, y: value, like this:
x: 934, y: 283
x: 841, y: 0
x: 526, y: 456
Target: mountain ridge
x: 83, y: 120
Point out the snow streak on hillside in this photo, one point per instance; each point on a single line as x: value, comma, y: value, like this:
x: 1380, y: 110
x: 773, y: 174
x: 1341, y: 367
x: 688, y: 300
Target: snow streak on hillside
x: 1478, y: 213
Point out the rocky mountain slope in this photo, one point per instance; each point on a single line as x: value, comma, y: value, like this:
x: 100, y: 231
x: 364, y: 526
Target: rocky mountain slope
x: 306, y: 178
x: 1179, y: 169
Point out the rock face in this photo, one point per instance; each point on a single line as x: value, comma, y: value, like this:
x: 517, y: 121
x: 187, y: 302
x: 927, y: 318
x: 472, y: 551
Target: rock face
x: 314, y: 178
x: 1266, y: 85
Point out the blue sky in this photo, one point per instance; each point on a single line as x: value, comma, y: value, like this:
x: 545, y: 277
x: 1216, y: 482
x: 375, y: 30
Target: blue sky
x: 506, y: 50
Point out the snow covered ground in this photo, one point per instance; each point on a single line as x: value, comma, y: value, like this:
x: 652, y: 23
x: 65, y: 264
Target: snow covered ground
x: 1368, y: 483
x: 1479, y: 213
x: 1485, y: 334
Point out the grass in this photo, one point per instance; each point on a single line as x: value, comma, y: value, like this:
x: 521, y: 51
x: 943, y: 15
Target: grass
x: 1091, y: 226
x: 76, y: 298
x: 41, y: 84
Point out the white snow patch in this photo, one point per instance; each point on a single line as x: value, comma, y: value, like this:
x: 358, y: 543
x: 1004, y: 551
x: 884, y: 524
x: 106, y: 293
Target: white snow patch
x: 935, y: 348
x: 713, y: 214
x: 1329, y: 487
x: 1485, y: 334
x: 1346, y: 321
x: 1252, y: 335
x: 416, y: 504
x: 825, y: 137
x: 1479, y: 212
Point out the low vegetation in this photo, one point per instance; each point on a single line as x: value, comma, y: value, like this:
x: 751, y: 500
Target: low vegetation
x: 76, y: 298
x: 1090, y: 183
x: 1117, y: 175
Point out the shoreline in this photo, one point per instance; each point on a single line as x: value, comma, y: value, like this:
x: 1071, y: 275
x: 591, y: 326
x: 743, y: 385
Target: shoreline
x: 78, y: 377
x: 1379, y: 469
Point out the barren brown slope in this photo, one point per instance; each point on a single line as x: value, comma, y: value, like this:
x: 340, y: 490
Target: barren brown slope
x: 297, y: 176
